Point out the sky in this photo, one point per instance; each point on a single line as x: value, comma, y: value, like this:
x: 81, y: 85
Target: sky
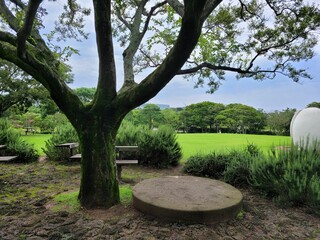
x: 269, y: 95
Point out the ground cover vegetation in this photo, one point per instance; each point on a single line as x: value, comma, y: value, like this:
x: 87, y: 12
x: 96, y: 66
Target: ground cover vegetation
x: 30, y: 209
x: 284, y: 37
x: 15, y: 145
x: 289, y: 176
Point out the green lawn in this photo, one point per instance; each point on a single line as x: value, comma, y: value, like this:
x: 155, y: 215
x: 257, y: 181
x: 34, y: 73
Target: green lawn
x: 38, y: 140
x: 192, y: 144
x: 199, y: 142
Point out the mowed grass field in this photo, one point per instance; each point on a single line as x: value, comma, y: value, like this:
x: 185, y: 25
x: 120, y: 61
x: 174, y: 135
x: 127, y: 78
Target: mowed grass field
x: 202, y: 143
x: 39, y: 141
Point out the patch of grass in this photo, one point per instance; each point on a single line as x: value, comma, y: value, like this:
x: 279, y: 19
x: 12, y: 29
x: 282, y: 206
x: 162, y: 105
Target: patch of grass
x: 68, y: 201
x: 204, y: 143
x: 38, y: 140
x: 125, y: 194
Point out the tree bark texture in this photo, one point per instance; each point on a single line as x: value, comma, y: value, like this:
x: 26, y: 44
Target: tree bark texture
x: 97, y: 123
x: 99, y: 185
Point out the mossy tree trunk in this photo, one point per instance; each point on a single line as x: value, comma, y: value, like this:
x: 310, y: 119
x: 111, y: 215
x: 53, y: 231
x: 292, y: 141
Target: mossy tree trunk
x: 99, y: 184
x: 96, y: 123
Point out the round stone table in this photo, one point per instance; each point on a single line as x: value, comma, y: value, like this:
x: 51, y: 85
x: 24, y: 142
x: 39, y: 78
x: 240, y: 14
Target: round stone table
x: 187, y: 199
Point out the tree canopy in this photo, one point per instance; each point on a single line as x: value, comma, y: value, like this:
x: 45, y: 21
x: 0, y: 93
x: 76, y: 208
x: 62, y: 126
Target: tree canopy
x: 236, y: 36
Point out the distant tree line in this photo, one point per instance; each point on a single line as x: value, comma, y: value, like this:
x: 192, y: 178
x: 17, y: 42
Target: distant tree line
x: 203, y: 117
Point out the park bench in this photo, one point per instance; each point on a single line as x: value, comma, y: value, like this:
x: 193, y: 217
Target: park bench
x: 6, y: 158
x: 71, y: 146
x: 30, y: 130
x: 120, y: 150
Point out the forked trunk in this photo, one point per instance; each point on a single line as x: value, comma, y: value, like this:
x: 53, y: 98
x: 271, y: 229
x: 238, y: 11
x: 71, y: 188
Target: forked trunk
x: 99, y: 185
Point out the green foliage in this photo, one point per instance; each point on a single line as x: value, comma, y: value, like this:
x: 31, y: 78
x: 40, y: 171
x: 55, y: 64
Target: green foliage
x: 201, y: 116
x: 232, y: 166
x: 125, y: 194
x: 15, y: 145
x: 279, y: 121
x: 238, y: 168
x: 239, y: 118
x: 210, y: 165
x: 86, y: 94
x: 290, y: 176
x: 66, y: 201
x: 158, y: 148
x: 64, y: 133
x: 150, y: 115
x: 206, y: 143
x: 314, y: 104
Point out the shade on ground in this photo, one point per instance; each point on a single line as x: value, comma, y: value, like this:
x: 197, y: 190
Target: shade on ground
x: 188, y: 199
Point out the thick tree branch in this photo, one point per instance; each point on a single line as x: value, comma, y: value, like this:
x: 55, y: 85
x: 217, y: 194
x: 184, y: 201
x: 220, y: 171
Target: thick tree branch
x: 135, y: 40
x: 177, y: 7
x: 208, y: 8
x: 185, y: 43
x: 25, y: 31
x: 19, y: 3
x: 107, y: 70
x: 8, y: 38
x: 68, y: 102
x: 8, y: 16
x: 150, y: 14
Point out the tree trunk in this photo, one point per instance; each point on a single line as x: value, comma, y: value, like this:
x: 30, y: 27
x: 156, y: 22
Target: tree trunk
x: 99, y: 185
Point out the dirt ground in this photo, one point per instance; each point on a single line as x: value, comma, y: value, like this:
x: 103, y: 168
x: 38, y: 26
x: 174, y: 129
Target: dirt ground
x: 26, y: 193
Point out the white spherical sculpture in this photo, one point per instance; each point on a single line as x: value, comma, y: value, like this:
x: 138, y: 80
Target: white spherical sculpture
x: 305, y: 127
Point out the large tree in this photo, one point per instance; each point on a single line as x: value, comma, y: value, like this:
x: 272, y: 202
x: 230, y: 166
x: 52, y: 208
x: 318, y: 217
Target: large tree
x: 22, y: 43
x: 241, y: 118
x: 201, y: 115
x: 16, y: 88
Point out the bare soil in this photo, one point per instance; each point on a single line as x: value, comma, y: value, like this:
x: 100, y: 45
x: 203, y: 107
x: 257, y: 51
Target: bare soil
x: 26, y: 193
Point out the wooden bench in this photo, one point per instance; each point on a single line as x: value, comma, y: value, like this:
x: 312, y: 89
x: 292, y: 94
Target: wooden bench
x: 71, y: 146
x: 120, y: 162
x: 7, y: 158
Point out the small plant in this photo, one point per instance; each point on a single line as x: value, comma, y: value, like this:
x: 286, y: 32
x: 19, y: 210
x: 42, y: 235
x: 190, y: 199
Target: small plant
x: 210, y: 165
x: 238, y: 169
x: 157, y: 148
x: 125, y: 194
x: 15, y: 145
x: 68, y: 201
x: 64, y: 133
x: 291, y: 177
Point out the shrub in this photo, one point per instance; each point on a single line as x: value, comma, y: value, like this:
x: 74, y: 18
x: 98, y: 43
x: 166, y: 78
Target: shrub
x: 15, y: 146
x: 291, y: 176
x: 238, y: 168
x: 64, y: 133
x: 210, y: 165
x: 232, y: 166
x: 157, y: 148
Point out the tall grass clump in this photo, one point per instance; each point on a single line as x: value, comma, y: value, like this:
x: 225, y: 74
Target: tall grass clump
x: 210, y: 165
x: 157, y: 148
x: 291, y: 177
x: 232, y: 166
x: 15, y: 145
x: 63, y: 134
